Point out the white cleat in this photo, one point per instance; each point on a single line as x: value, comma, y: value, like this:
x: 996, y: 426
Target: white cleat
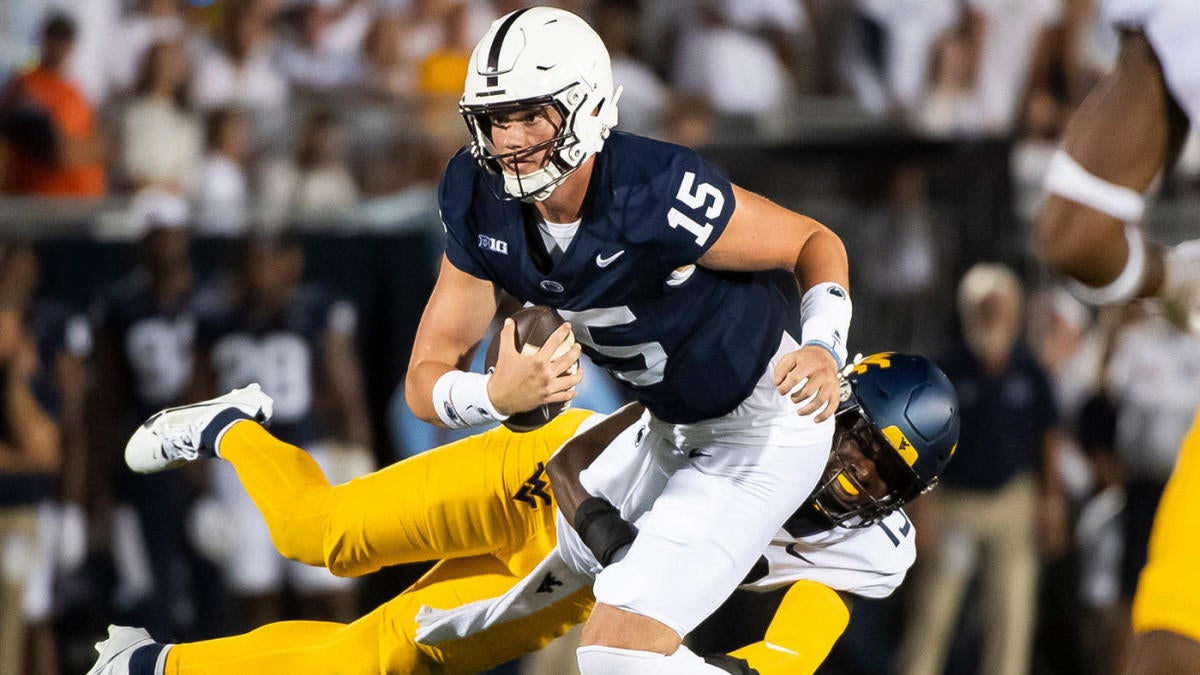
x: 116, y: 651
x: 176, y: 436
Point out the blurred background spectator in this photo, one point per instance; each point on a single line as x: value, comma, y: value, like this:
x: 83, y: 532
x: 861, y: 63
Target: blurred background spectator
x: 142, y: 142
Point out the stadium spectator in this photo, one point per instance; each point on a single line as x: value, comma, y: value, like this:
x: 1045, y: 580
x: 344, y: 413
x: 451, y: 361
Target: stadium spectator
x: 145, y: 325
x: 644, y: 96
x: 161, y: 139
x: 62, y: 343
x: 154, y: 21
x: 239, y: 69
x: 316, y: 189
x: 1013, y: 39
x: 985, y: 516
x: 738, y: 54
x: 222, y: 202
x: 30, y: 459
x: 323, y: 55
x: 298, y: 341
x: 54, y: 148
x: 1154, y: 382
x: 887, y: 48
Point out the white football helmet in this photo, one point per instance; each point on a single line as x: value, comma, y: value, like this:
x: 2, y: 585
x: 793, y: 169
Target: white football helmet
x: 531, y: 58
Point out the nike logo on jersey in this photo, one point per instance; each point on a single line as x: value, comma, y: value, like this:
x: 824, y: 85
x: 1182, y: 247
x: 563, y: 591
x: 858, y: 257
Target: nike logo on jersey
x: 791, y: 550
x: 697, y: 452
x: 601, y: 261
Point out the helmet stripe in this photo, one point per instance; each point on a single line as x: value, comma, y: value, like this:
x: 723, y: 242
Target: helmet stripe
x: 493, y: 63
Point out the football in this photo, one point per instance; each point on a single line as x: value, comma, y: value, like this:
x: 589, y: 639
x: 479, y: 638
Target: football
x: 534, y: 325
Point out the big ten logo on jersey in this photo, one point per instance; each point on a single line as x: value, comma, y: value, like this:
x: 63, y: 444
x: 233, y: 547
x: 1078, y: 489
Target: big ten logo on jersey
x: 694, y: 197
x: 280, y: 362
x: 493, y: 244
x: 159, y: 351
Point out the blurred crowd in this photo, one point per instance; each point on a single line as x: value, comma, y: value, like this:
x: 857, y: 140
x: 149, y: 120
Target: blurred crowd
x: 264, y: 112
x: 257, y: 121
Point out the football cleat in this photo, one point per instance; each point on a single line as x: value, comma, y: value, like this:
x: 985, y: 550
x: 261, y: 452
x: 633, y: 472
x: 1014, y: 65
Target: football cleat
x: 116, y: 651
x: 176, y: 436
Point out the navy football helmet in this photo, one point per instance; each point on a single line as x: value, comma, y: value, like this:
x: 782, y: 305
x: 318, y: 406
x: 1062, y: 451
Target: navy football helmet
x: 900, y: 412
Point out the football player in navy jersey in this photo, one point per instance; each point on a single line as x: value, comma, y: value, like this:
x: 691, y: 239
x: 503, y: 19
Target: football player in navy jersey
x: 297, y: 339
x: 62, y: 342
x: 649, y: 252
x: 145, y: 326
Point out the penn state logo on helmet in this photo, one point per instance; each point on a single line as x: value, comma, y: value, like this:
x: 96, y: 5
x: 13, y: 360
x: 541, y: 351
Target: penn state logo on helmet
x: 539, y: 57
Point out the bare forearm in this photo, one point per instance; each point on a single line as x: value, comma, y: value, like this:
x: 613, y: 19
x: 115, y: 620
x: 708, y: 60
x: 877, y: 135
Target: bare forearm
x: 822, y: 259
x: 579, y: 453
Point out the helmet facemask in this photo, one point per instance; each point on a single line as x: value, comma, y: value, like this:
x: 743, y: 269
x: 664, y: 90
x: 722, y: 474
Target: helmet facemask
x: 565, y: 151
x: 850, y: 494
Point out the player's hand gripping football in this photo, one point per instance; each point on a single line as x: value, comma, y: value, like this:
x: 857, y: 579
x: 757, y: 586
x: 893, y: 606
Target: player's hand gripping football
x: 810, y: 375
x: 524, y: 380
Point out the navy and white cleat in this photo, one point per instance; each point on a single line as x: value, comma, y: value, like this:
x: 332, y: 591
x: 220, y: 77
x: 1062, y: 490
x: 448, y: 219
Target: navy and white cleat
x: 176, y: 436
x: 116, y: 651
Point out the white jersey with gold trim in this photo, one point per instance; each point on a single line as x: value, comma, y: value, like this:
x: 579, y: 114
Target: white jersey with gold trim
x: 870, y: 562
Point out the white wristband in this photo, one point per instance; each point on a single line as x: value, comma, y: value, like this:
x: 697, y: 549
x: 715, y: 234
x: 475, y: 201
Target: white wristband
x: 825, y: 311
x: 1127, y: 284
x: 461, y: 400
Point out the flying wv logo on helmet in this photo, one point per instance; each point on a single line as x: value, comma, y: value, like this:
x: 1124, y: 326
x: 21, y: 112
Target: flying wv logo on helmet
x: 547, y: 60
x: 900, y: 412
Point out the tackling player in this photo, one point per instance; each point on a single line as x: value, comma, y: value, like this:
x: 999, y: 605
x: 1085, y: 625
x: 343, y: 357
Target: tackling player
x: 1122, y: 136
x: 648, y: 251
x: 488, y: 512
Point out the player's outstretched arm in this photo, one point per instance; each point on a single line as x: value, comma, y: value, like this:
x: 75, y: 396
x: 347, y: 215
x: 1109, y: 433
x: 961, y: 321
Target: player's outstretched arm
x: 762, y: 235
x: 577, y: 454
x: 808, y: 622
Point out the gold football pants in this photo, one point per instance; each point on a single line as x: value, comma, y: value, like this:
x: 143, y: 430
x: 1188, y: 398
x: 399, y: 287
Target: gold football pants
x: 482, y: 505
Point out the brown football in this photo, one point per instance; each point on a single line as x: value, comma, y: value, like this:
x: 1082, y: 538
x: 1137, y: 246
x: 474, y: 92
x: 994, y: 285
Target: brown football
x: 534, y: 325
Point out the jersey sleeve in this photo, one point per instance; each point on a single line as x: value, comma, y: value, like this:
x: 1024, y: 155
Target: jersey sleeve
x: 689, y: 204
x: 870, y: 562
x: 455, y: 197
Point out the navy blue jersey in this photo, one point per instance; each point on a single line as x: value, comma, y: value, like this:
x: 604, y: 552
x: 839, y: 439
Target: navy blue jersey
x: 282, y: 352
x: 55, y: 330
x: 154, y: 342
x: 689, y: 342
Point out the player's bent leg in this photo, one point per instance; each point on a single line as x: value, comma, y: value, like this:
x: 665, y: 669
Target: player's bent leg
x: 808, y: 622
x: 286, y: 485
x: 483, y: 494
x: 292, y: 647
x: 1164, y: 600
